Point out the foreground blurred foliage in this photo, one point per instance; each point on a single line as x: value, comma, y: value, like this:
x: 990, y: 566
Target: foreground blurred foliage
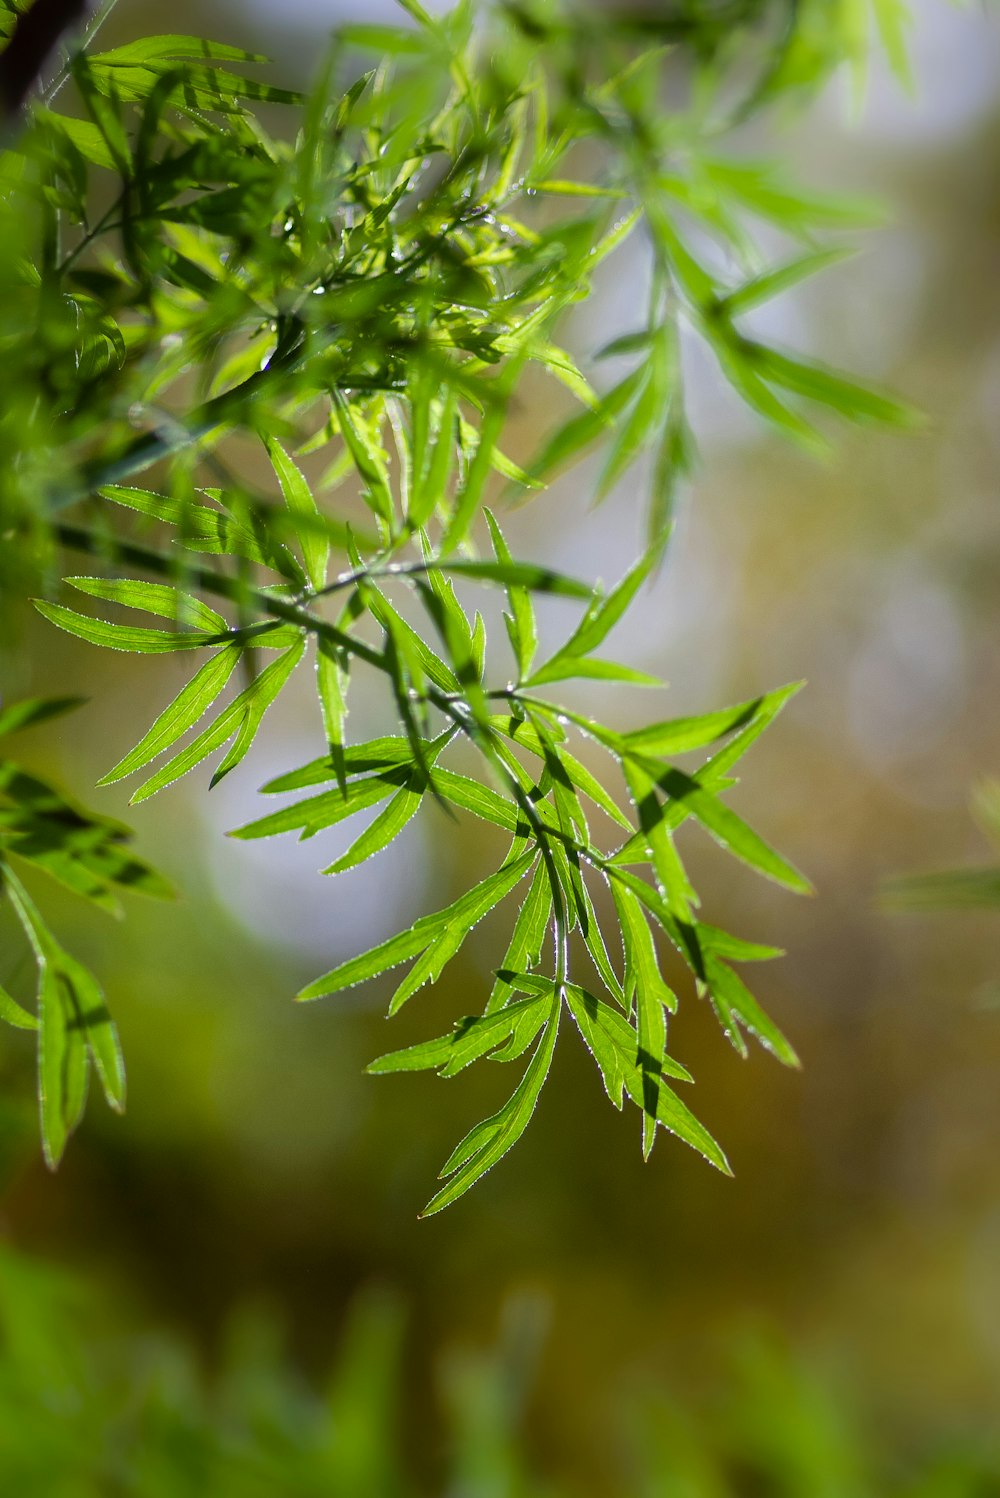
x: 94, y: 1404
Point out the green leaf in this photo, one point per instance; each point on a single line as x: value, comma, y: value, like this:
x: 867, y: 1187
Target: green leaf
x: 597, y: 948
x: 521, y: 623
x: 385, y: 827
x: 728, y: 990
x: 851, y: 398
x: 62, y: 1066
x: 656, y: 834
x: 83, y: 135
x: 525, y: 948
x: 469, y: 496
x: 471, y: 795
x: 712, y: 773
x: 242, y: 717
x: 157, y: 48
x: 773, y: 282
x: 986, y: 809
x: 566, y: 668
x: 123, y: 636
x: 519, y: 575
x: 302, y: 505
x: 369, y: 460
x: 604, y: 612
x: 724, y: 944
x: 732, y: 832
x: 430, y: 481
x: 73, y: 1021
x: 332, y: 677
x: 471, y: 1039
x: 462, y: 914
x: 610, y: 1053
x: 316, y: 813
x: 202, y: 529
x: 254, y: 703
x: 678, y: 735
x: 893, y: 19
x: 677, y: 1119
x: 191, y: 702
x: 153, y: 598
x: 90, y: 858
x: 523, y: 733
x: 103, y: 106
x: 409, y: 646
x: 373, y: 754
x: 490, y: 1140
x: 959, y: 889
x: 584, y: 430
x: 15, y: 1014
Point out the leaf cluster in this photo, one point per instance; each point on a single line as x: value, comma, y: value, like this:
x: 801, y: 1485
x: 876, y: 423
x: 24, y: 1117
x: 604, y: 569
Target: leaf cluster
x: 357, y: 302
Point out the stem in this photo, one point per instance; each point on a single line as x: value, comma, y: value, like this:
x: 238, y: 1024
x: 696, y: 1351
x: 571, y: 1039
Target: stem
x: 101, y: 226
x: 234, y: 590
x: 91, y: 29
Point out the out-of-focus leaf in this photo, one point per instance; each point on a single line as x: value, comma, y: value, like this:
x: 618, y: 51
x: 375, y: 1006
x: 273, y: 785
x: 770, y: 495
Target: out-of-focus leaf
x: 32, y: 710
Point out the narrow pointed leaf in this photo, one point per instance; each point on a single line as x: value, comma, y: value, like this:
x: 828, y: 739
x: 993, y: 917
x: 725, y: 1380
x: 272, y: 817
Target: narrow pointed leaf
x: 489, y: 1141
x: 188, y: 706
x: 246, y: 709
x: 153, y: 598
x: 124, y: 636
x: 386, y: 826
x: 463, y: 913
x: 302, y: 506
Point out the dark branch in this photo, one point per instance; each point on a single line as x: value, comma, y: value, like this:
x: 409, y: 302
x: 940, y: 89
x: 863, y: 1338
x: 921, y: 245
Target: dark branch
x: 38, y: 32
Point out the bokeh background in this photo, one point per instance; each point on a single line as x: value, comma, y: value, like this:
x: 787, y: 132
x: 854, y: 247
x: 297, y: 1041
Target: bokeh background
x: 845, y: 1287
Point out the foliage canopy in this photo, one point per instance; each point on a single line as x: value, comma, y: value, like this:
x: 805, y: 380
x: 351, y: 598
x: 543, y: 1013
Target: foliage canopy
x: 201, y: 270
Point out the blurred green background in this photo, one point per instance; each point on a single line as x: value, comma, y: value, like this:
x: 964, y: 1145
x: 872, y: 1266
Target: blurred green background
x: 826, y: 1323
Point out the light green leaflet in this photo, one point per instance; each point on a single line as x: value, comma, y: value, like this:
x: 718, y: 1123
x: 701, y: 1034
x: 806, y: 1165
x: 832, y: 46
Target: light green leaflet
x: 125, y: 636
x: 525, y: 949
x: 616, y: 1048
x: 461, y: 915
x: 191, y: 702
x: 302, y: 505
x: 332, y: 677
x: 153, y: 598
x: 490, y: 1140
x: 327, y: 809
x: 521, y: 624
x: 242, y: 717
x: 386, y: 826
x: 14, y: 1013
x: 513, y: 1027
x: 91, y: 856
